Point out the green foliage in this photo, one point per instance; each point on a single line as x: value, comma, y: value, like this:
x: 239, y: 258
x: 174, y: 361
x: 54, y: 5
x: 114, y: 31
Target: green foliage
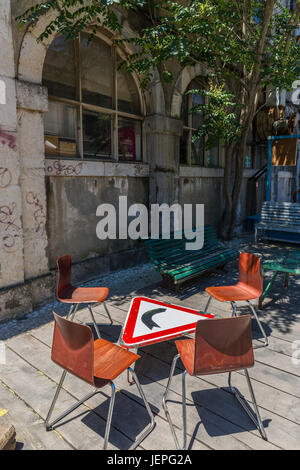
x: 220, y: 122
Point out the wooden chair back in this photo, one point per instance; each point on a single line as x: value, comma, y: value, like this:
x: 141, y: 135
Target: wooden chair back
x: 64, y: 267
x: 250, y: 271
x: 223, y: 345
x: 73, y: 348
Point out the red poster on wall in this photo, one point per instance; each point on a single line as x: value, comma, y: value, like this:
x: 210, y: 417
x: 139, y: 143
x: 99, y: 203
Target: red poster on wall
x: 127, y: 142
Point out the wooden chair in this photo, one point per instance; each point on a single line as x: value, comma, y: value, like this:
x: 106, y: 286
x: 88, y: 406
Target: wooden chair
x: 75, y: 296
x: 249, y: 287
x: 220, y: 345
x: 98, y: 363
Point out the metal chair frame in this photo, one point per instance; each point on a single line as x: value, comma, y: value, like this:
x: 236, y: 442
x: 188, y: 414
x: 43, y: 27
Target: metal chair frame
x: 74, y: 308
x: 151, y: 426
x: 241, y: 399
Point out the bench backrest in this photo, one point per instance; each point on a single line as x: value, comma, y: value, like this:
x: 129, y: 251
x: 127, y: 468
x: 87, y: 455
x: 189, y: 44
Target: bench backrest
x: 161, y: 249
x: 281, y: 213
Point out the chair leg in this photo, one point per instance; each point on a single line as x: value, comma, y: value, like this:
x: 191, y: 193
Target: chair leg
x: 94, y: 321
x: 184, y: 410
x: 54, y: 399
x: 207, y: 305
x: 260, y: 326
x: 233, y: 304
x: 72, y: 311
x: 69, y: 410
x: 107, y: 313
x: 109, y: 416
x: 152, y: 422
x: 164, y: 401
x: 256, y: 419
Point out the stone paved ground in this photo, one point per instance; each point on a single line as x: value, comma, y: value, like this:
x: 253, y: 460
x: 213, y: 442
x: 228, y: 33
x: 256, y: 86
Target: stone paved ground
x: 215, y: 421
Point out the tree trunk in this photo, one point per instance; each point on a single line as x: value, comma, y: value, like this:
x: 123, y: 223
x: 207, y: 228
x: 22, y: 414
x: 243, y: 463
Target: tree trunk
x: 238, y: 180
x: 226, y: 219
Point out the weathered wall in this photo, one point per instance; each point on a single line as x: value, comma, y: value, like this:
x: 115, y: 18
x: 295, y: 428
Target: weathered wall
x: 11, y: 230
x: 72, y: 204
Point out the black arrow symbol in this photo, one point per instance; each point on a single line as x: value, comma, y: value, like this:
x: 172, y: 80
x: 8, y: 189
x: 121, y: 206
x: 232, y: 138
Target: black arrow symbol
x: 147, y: 317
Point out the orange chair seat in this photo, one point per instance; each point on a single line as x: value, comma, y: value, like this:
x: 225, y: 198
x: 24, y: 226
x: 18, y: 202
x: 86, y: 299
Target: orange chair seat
x: 110, y: 360
x: 80, y: 295
x: 186, y: 349
x: 239, y: 291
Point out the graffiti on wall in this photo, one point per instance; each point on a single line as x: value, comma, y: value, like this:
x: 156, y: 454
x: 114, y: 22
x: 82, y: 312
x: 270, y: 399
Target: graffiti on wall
x: 8, y: 139
x: 5, y: 177
x: 58, y: 168
x: 39, y: 212
x: 9, y: 230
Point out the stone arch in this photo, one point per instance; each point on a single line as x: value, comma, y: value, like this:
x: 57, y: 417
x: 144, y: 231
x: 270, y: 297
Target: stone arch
x: 183, y: 80
x: 33, y: 53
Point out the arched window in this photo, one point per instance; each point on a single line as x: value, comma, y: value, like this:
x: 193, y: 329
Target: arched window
x: 194, y: 153
x: 94, y: 110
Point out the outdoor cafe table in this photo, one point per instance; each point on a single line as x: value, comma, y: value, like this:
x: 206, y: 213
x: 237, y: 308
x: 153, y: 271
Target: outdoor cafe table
x: 150, y: 321
x: 289, y: 264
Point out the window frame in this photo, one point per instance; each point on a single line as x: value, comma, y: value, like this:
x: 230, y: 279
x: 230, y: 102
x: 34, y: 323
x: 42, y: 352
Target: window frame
x: 80, y: 105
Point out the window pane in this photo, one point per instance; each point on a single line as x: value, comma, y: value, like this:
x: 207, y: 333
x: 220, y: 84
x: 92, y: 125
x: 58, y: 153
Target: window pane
x: 212, y: 157
x: 184, y: 142
x: 248, y: 161
x: 97, y: 132
x: 59, y: 69
x: 60, y: 124
x: 96, y: 72
x: 130, y: 139
x: 197, y: 156
x: 197, y: 117
x: 128, y: 97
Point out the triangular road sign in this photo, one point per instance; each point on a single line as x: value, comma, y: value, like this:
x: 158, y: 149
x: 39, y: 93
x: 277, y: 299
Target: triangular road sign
x: 149, y: 321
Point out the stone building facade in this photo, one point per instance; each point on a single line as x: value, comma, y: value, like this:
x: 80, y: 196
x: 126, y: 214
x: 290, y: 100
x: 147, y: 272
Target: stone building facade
x: 53, y: 173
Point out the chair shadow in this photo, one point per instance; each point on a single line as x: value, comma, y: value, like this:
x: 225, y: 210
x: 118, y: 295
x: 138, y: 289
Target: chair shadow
x: 129, y: 420
x: 234, y: 419
x: 107, y: 331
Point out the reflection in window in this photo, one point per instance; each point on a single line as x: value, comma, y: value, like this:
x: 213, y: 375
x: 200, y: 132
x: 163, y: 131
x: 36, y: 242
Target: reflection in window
x: 128, y: 97
x: 194, y: 153
x: 130, y: 139
x: 94, y: 110
x: 96, y: 72
x: 59, y: 69
x: 97, y: 132
x: 60, y: 129
x: 248, y: 161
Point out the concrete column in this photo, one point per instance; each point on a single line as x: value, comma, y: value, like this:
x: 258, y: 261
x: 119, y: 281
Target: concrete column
x: 32, y: 101
x: 163, y: 135
x: 11, y: 231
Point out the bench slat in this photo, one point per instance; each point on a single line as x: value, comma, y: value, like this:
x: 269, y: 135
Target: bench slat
x: 280, y: 217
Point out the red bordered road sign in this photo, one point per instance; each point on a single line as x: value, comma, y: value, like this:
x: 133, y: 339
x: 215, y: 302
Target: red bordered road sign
x: 149, y: 321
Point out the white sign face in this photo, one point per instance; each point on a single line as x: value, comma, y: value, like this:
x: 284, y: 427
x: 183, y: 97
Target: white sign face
x: 151, y: 319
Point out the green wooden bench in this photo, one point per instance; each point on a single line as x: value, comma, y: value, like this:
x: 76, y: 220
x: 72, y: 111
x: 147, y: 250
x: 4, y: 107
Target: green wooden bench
x: 177, y: 265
